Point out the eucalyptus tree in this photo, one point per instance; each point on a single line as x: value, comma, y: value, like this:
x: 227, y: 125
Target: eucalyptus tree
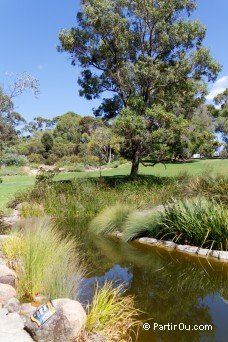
x: 148, y: 57
x: 9, y: 119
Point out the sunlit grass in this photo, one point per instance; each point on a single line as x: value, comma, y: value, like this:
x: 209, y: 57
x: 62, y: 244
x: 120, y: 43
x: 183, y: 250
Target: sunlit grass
x: 111, y: 314
x: 110, y: 219
x: 137, y: 226
x: 47, y: 263
x: 198, y: 222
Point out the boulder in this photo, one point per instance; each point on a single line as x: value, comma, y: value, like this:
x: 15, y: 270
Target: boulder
x: 7, y: 276
x: 27, y: 309
x: 64, y: 326
x: 6, y: 293
x: 13, y: 305
x: 12, y: 328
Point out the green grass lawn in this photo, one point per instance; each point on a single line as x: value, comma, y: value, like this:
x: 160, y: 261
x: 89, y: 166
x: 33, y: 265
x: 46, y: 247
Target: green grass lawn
x: 13, y: 184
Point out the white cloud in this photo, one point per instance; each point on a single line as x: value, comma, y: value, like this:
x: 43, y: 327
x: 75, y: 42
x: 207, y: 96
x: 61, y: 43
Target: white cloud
x: 218, y: 87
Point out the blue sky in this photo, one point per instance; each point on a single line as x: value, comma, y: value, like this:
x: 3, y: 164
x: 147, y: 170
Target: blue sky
x: 29, y: 36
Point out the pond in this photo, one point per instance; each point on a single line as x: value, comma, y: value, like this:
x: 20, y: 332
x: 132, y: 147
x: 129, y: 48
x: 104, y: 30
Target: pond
x: 170, y: 288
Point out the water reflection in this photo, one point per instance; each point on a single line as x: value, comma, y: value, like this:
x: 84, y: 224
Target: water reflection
x: 169, y: 287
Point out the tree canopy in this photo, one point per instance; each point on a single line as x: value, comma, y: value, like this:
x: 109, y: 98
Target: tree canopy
x: 148, y: 54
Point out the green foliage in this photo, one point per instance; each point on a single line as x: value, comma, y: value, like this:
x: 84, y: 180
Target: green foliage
x: 110, y: 219
x: 141, y: 224
x: 152, y: 60
x: 45, y: 261
x: 13, y: 248
x: 199, y: 222
x: 35, y: 158
x: 48, y: 143
x: 67, y: 127
x: 112, y: 314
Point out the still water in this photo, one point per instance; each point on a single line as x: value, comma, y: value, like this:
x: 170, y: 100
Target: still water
x: 171, y: 288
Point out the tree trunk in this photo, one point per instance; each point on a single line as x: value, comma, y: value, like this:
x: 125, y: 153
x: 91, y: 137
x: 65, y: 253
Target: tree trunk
x: 135, y: 165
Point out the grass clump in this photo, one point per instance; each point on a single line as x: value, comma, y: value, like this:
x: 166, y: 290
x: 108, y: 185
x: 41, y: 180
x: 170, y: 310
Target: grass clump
x: 48, y: 264
x: 110, y: 219
x: 198, y: 222
x: 140, y: 225
x: 13, y: 247
x: 32, y: 210
x: 112, y: 315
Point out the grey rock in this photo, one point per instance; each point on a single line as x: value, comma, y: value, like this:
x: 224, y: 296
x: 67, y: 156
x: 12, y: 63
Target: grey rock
x: 6, y: 292
x: 13, y: 305
x: 192, y: 249
x: 203, y: 251
x: 64, y: 326
x: 7, y: 276
x: 223, y: 255
x: 182, y: 248
x: 169, y: 244
x: 215, y: 254
x: 27, y: 309
x: 151, y: 241
x: 12, y: 329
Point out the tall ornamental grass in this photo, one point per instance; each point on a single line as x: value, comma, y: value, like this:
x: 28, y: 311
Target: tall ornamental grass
x: 49, y: 264
x: 110, y: 219
x: 112, y: 314
x: 138, y: 225
x: 198, y: 222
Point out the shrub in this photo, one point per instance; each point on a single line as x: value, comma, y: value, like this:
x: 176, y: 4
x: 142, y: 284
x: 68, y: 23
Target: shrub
x: 112, y: 314
x: 198, y: 222
x: 10, y: 159
x: 35, y: 158
x: 110, y: 219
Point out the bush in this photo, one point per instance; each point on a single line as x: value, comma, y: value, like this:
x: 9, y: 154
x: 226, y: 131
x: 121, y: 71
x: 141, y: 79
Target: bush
x: 112, y: 315
x: 35, y: 158
x: 10, y: 159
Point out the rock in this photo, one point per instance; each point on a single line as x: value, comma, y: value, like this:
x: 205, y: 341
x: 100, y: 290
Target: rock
x: 182, y: 248
x: 170, y: 244
x: 215, y: 254
x: 64, y: 326
x: 13, y: 305
x: 223, y: 255
x: 3, y: 312
x: 27, y: 309
x: 192, y: 249
x: 148, y: 240
x: 12, y: 328
x: 6, y: 293
x: 203, y: 251
x: 7, y: 276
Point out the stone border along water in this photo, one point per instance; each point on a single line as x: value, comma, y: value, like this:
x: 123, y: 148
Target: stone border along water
x: 193, y: 250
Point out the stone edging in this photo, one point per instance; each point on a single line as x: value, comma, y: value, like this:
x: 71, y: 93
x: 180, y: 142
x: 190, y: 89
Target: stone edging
x: 205, y: 252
